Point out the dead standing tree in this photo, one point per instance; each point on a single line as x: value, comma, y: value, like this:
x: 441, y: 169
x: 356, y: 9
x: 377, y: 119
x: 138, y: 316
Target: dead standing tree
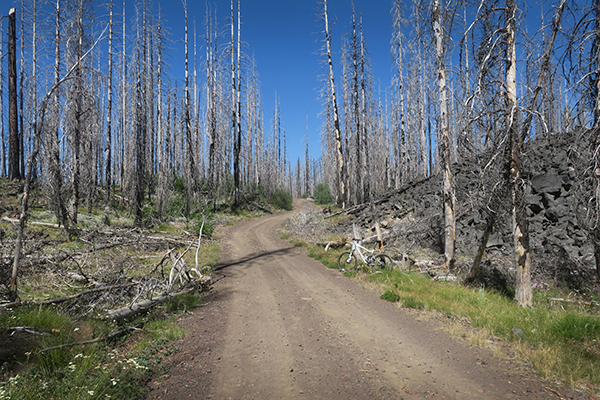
x: 14, y: 142
x: 236, y: 103
x: 445, y: 141
x: 340, y: 170
x: 513, y: 168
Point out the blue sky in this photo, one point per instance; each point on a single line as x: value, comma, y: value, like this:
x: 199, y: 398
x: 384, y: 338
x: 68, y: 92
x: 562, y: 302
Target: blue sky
x: 283, y: 37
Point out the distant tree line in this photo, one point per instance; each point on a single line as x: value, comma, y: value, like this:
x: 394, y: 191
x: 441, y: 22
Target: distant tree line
x: 119, y: 126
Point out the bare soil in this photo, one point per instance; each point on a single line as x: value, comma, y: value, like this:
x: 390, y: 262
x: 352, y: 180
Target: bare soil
x: 278, y: 324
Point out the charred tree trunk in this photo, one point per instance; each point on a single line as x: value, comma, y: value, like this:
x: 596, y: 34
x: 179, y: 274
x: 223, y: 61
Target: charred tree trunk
x: 14, y: 142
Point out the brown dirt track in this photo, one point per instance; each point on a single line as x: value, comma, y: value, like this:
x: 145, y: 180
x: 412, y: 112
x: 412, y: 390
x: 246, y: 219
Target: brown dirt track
x: 278, y: 324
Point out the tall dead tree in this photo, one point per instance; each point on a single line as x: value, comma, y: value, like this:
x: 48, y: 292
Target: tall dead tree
x: 212, y: 100
x: 236, y: 103
x: 513, y: 169
x: 123, y: 97
x: 14, y: 141
x: 161, y: 139
x: 191, y: 174
x: 21, y: 98
x: 2, y: 143
x: 444, y: 141
x: 340, y: 171
x: 54, y: 162
x: 108, y: 147
x: 399, y: 130
x: 76, y: 108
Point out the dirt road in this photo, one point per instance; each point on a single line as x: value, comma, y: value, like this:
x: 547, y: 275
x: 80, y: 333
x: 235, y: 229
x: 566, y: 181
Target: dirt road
x: 280, y: 325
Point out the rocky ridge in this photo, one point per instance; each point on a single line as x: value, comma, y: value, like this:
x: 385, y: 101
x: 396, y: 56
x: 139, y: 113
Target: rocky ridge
x: 555, y: 166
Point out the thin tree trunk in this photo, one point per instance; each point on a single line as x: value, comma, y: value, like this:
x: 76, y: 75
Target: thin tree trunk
x: 108, y: 160
x: 340, y: 172
x: 192, y: 174
x: 2, y: 143
x: 234, y: 114
x: 21, y: 76
x: 159, y: 120
x: 123, y: 101
x: 481, y: 251
x: 523, y: 293
x: 14, y: 148
x: 59, y: 206
x: 78, y: 128
x: 238, y: 105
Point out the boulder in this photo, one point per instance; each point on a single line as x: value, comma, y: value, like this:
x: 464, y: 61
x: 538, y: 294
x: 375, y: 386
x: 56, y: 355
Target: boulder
x: 549, y: 182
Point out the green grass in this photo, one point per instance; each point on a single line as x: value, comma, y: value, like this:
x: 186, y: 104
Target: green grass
x: 113, y: 369
x: 559, y: 342
x: 328, y: 258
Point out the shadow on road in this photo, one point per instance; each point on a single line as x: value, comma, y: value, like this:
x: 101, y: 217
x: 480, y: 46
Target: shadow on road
x: 252, y: 258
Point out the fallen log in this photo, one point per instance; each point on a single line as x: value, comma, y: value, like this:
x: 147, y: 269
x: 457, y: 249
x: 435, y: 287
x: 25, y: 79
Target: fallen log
x: 585, y: 303
x: 110, y: 335
x: 261, y: 208
x: 65, y: 298
x: 333, y: 244
x: 46, y: 224
x: 134, y: 309
x: 380, y: 200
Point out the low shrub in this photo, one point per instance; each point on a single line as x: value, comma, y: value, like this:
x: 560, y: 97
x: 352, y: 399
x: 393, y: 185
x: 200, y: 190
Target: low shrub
x: 323, y: 194
x: 282, y: 199
x: 389, y: 295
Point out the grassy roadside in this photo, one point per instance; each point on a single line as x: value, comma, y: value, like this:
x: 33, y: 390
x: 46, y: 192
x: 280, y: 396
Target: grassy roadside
x: 561, y: 339
x: 116, y: 368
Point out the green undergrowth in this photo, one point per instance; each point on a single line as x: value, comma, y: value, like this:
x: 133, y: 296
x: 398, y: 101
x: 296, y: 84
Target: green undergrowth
x: 116, y: 368
x: 561, y: 339
x: 328, y: 258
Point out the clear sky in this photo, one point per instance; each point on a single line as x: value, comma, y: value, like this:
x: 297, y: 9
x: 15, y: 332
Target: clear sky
x: 283, y: 36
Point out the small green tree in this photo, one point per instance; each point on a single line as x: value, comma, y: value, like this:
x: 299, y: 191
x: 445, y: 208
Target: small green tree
x: 282, y: 199
x: 322, y: 194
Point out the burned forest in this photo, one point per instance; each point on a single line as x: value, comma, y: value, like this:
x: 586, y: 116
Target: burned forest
x: 131, y: 133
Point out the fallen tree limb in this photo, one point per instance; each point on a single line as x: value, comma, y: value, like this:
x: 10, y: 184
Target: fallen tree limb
x: 65, y: 298
x: 47, y: 224
x: 334, y: 245
x: 380, y: 200
x: 32, y: 330
x: 126, y: 312
x: 585, y: 303
x: 261, y: 208
x: 110, y: 335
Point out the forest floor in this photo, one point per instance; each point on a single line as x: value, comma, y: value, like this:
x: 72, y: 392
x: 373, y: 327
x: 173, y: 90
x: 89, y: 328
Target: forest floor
x: 278, y: 324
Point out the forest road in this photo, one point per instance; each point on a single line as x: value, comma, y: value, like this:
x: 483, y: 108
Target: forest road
x: 280, y: 325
